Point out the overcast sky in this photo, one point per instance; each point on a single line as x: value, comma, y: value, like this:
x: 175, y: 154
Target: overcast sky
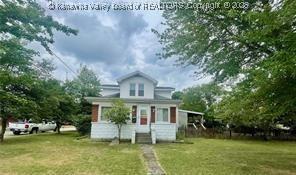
x: 113, y: 44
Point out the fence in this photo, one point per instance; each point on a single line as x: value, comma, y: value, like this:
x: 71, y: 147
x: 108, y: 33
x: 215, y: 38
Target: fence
x: 227, y: 134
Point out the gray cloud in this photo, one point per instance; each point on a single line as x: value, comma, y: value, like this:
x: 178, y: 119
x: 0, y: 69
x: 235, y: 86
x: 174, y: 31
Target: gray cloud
x: 97, y: 42
x: 114, y: 44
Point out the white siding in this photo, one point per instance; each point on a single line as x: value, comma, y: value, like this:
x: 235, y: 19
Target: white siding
x: 166, y: 94
x: 183, y: 119
x: 165, y: 131
x: 109, y: 131
x: 106, y: 92
x: 148, y: 87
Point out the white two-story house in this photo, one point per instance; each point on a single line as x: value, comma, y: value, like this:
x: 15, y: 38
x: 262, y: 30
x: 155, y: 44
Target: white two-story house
x: 153, y: 111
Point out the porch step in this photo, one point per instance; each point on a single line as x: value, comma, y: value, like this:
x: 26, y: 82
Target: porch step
x: 144, y: 138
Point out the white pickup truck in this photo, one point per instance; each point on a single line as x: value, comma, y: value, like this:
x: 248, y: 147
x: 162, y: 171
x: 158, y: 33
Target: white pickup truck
x: 29, y: 127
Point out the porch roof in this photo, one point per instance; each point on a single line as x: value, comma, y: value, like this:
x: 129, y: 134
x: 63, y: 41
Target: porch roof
x: 130, y: 100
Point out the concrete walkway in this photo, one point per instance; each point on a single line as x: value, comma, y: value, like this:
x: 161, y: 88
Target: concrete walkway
x: 152, y: 164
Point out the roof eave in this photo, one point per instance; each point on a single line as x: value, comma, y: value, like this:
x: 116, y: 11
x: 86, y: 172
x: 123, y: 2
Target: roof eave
x: 105, y: 99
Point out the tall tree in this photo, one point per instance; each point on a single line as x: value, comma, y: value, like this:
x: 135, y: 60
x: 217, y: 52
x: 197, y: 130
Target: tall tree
x: 54, y: 104
x: 178, y: 95
x: 20, y: 22
x: 255, y: 46
x: 201, y: 98
x: 85, y: 84
x: 225, y: 42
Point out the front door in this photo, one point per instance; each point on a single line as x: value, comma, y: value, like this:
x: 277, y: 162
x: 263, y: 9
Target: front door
x: 143, y: 119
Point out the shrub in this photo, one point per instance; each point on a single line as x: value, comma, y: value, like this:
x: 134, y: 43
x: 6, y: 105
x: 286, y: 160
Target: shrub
x: 83, y: 124
x: 181, y: 133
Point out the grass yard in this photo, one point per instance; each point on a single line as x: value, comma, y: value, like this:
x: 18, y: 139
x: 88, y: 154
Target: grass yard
x: 62, y: 154
x: 50, y: 153
x: 215, y: 156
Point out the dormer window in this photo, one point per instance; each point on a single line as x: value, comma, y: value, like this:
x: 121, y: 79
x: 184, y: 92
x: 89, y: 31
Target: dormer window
x: 132, y: 89
x: 141, y: 90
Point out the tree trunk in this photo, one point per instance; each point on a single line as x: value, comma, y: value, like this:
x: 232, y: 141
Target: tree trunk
x: 119, y: 132
x: 3, y: 129
x: 59, y: 127
x: 230, y: 133
x: 266, y: 135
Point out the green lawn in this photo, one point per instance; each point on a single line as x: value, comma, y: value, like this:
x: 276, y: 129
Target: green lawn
x: 62, y: 154
x: 214, y: 156
x: 50, y: 153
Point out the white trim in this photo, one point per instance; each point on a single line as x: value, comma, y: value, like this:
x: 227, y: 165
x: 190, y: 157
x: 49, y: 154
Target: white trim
x: 143, y: 128
x: 137, y: 73
x: 193, y: 112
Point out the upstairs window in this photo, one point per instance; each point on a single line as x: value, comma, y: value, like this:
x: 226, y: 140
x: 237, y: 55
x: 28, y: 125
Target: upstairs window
x: 141, y: 89
x: 132, y: 91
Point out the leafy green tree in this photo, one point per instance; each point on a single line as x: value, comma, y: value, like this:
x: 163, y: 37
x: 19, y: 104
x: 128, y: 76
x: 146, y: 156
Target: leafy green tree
x: 253, y: 47
x: 54, y: 104
x: 44, y: 69
x: 85, y: 84
x: 118, y: 114
x: 201, y: 98
x: 21, y: 22
x: 83, y: 124
x: 178, y: 95
x: 226, y: 42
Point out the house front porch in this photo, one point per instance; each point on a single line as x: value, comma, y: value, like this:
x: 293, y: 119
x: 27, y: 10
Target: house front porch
x: 158, y: 120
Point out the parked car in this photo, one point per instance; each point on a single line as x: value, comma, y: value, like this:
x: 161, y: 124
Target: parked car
x: 30, y: 127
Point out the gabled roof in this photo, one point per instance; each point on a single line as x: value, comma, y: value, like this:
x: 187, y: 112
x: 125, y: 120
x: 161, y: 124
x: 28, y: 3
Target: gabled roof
x: 164, y: 88
x: 116, y: 95
x: 110, y: 86
x: 137, y: 73
x: 159, y: 97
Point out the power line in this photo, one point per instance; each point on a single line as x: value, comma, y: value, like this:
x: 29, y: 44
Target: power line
x: 65, y: 64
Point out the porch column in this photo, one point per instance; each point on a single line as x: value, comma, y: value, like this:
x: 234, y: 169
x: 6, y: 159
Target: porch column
x: 94, y: 113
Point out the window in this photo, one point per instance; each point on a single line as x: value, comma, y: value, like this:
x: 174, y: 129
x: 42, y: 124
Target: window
x: 162, y: 115
x: 103, y: 113
x: 141, y: 90
x: 132, y: 89
x: 143, y: 113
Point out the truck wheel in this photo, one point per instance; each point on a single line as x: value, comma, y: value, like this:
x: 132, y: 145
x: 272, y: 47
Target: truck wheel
x: 16, y: 132
x: 34, y: 130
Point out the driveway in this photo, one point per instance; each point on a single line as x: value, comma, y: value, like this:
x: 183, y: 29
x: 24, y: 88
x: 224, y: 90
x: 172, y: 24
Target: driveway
x: 9, y: 133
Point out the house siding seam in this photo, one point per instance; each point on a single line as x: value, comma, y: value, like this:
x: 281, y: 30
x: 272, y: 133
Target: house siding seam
x: 165, y: 131
x: 152, y: 114
x: 173, y: 114
x: 94, y: 113
x: 110, y: 130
